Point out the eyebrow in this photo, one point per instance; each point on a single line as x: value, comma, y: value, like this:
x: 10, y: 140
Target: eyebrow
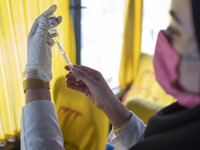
x: 174, y: 15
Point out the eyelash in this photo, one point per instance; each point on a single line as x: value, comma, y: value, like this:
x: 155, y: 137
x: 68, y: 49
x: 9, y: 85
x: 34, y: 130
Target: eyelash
x: 173, y: 31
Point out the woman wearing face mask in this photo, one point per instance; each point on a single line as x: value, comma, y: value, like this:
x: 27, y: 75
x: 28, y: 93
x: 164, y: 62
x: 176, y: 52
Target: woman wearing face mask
x: 177, y: 68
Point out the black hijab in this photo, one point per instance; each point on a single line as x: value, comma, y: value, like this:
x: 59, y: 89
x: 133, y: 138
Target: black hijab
x: 196, y: 18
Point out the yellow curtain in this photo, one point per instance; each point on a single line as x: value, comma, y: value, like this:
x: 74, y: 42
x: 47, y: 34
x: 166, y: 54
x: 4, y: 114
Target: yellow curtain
x: 131, y: 48
x: 16, y: 19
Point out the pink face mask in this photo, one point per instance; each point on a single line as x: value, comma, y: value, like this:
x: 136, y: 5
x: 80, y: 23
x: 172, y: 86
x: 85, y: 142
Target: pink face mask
x: 166, y: 62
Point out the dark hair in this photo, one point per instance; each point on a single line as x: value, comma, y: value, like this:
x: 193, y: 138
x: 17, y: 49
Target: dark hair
x: 196, y: 18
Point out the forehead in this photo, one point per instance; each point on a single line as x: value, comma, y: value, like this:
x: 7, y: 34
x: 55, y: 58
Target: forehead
x: 183, y: 10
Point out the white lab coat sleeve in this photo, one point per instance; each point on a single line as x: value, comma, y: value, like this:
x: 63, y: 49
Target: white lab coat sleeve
x: 132, y: 133
x: 39, y: 127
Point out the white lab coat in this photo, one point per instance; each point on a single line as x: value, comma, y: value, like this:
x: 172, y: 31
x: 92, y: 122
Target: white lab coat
x: 40, y: 129
x: 132, y: 133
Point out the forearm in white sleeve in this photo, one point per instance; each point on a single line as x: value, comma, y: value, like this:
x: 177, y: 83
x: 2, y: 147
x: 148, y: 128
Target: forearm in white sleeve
x: 39, y: 127
x: 132, y: 133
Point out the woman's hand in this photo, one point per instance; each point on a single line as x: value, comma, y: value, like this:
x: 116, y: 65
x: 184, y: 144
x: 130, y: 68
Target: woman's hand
x: 92, y: 84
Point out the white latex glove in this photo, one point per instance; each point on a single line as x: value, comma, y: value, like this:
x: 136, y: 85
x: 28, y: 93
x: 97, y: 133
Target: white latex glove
x: 39, y: 61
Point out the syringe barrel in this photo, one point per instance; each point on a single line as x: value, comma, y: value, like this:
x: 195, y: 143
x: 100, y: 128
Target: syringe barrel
x: 66, y: 59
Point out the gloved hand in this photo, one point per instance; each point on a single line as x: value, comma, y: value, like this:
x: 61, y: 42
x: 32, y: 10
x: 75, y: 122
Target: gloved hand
x: 92, y: 84
x: 39, y: 61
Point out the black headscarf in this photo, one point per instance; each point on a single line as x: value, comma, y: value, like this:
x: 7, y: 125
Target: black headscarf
x: 172, y: 128
x: 196, y: 18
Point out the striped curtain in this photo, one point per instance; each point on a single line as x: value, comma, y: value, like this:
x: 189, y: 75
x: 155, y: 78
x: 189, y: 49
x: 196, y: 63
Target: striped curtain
x: 16, y: 19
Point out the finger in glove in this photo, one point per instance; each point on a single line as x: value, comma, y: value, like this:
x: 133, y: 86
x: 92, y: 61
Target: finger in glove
x: 50, y: 11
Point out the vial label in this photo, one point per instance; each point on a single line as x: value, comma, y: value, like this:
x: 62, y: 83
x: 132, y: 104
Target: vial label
x: 53, y: 31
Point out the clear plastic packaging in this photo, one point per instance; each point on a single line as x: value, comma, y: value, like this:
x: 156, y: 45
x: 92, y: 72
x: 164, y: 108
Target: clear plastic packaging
x: 53, y: 25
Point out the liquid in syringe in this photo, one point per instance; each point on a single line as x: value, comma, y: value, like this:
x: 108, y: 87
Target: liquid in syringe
x: 65, y: 56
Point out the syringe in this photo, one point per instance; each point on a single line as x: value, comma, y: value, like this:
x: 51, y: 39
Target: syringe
x: 64, y: 55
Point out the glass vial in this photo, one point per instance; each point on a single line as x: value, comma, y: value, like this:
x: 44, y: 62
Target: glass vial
x: 53, y: 25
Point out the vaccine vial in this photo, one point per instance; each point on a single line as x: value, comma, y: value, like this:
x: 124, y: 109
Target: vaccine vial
x: 53, y: 25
